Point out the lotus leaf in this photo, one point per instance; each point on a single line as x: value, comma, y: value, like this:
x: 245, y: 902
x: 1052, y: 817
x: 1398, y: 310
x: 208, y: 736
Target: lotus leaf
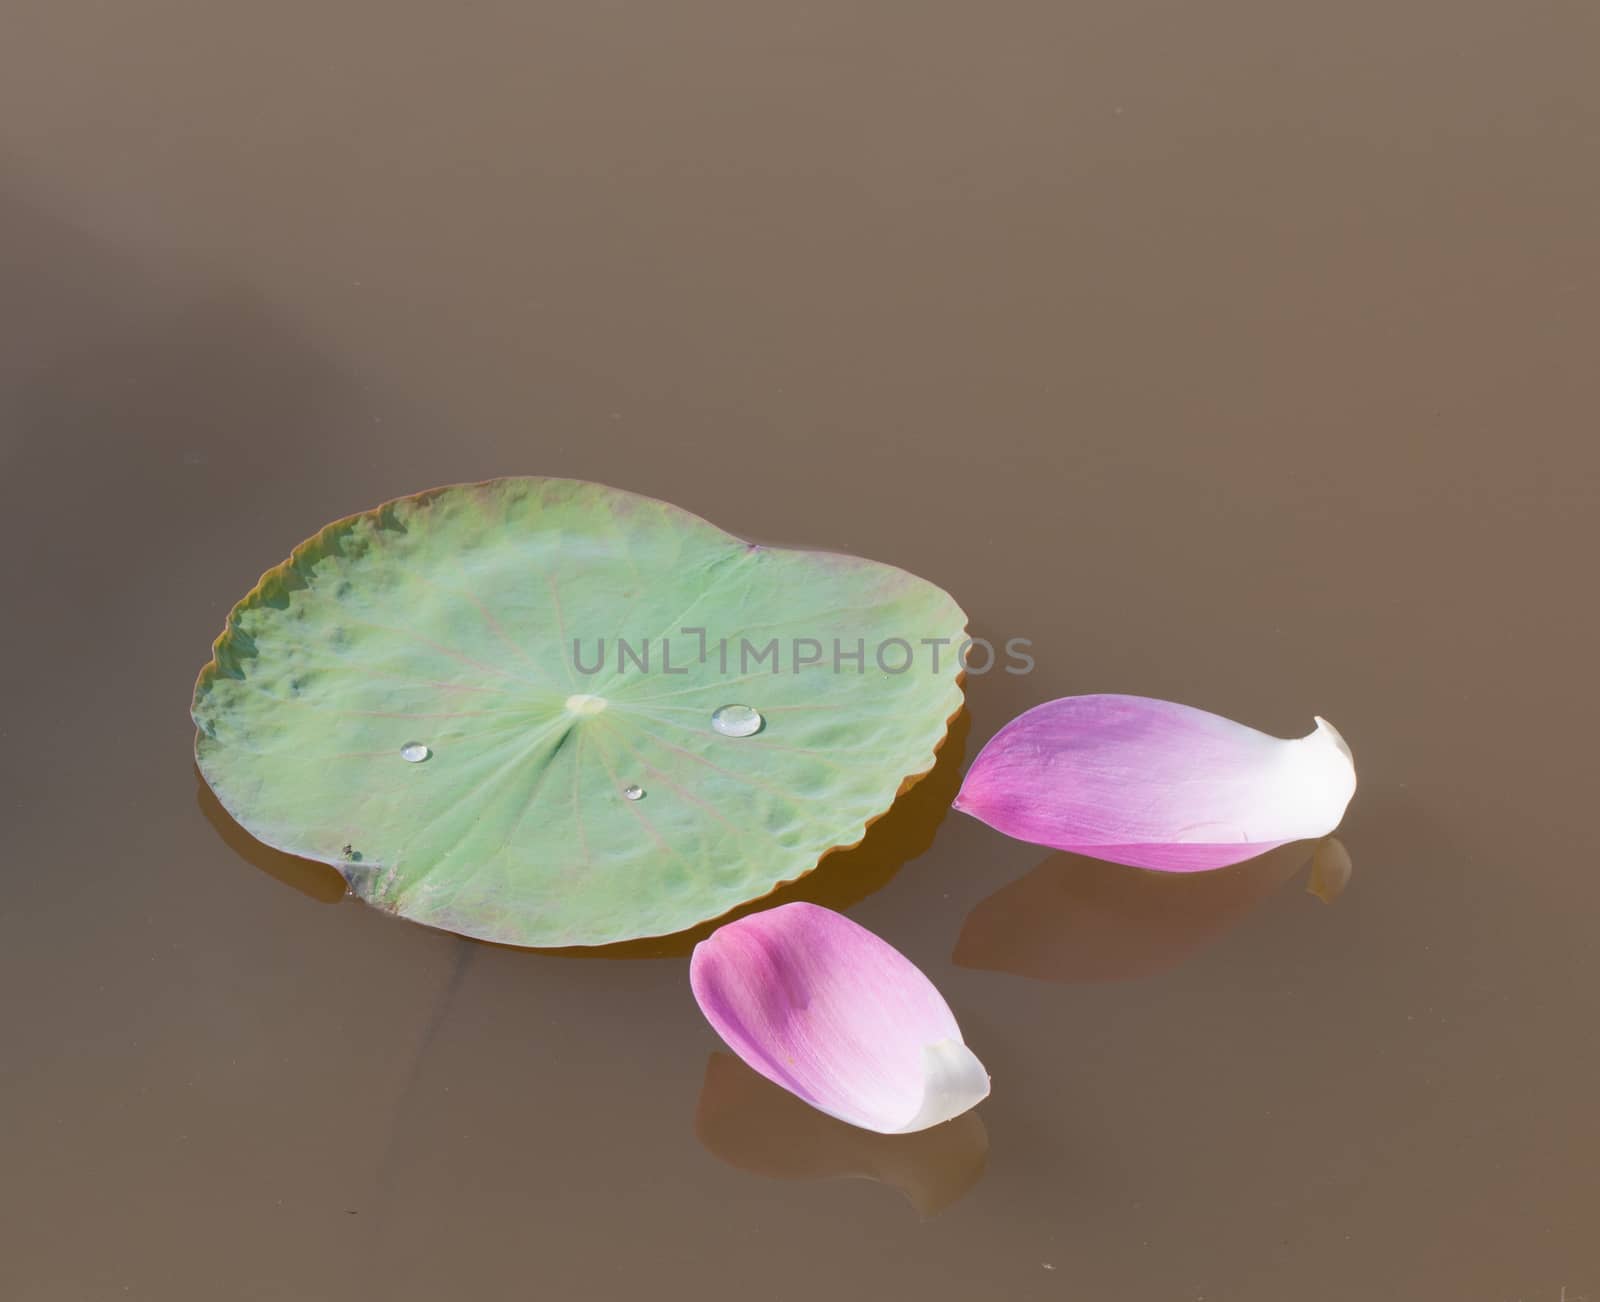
x: 435, y: 697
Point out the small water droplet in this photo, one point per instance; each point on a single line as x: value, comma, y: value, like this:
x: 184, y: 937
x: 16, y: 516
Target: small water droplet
x: 414, y: 752
x: 737, y: 721
x: 633, y: 791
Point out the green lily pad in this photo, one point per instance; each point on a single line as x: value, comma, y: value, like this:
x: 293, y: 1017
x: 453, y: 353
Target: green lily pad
x: 413, y: 698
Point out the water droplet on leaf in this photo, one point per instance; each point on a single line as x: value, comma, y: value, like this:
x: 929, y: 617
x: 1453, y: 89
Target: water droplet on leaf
x: 414, y: 752
x: 633, y: 792
x: 737, y: 721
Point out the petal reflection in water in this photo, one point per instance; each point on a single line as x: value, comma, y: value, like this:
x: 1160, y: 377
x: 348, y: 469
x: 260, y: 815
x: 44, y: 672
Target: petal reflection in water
x: 1330, y: 870
x: 1079, y: 919
x: 750, y: 1123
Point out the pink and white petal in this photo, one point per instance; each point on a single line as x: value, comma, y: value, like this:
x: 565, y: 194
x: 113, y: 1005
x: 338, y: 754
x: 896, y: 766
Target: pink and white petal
x: 838, y: 1017
x: 1156, y: 784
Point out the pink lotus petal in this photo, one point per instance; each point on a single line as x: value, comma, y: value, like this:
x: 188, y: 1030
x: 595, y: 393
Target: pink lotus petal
x: 1156, y: 784
x: 838, y: 1017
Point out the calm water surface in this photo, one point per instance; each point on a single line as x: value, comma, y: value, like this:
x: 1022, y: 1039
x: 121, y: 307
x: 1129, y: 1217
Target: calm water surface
x: 1242, y: 354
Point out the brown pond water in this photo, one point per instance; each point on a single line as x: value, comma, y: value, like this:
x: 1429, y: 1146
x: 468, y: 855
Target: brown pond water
x: 1243, y: 354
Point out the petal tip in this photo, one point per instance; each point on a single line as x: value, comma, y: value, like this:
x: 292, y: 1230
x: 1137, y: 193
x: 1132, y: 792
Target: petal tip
x: 1336, y: 737
x: 1338, y: 767
x: 954, y: 1082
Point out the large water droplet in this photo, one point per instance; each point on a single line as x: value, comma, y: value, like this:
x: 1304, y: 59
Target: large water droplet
x: 414, y: 752
x: 583, y: 703
x: 737, y: 721
x: 633, y: 791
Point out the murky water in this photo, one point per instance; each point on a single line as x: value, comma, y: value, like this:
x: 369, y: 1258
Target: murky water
x: 1239, y: 355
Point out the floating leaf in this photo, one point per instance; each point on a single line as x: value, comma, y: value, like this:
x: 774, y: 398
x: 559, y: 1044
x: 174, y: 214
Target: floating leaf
x: 415, y: 697
x: 838, y: 1017
x: 1156, y: 784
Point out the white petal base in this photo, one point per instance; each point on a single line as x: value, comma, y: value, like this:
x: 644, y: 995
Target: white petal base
x: 953, y: 1082
x: 1315, y: 782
